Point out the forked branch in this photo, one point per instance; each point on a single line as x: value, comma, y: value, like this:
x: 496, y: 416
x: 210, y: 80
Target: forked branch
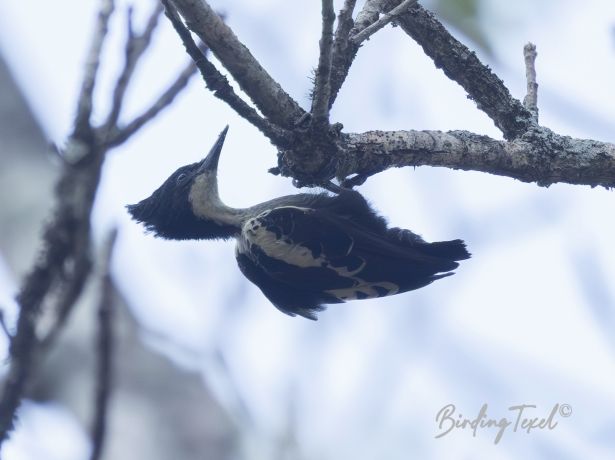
x: 530, y: 152
x: 63, y: 266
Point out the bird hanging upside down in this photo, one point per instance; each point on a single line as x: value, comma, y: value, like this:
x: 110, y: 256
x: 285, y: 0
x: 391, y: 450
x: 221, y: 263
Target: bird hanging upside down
x: 303, y: 251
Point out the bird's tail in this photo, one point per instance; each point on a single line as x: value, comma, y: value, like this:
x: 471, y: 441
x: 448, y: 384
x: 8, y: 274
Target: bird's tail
x: 451, y: 250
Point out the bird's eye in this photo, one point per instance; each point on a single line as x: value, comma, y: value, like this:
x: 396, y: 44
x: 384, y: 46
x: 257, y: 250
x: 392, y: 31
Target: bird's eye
x: 181, y: 178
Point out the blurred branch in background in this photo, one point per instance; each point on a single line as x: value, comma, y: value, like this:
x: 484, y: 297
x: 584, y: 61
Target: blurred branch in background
x: 63, y: 266
x: 105, y: 349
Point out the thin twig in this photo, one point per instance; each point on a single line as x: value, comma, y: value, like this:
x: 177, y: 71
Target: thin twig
x: 339, y: 66
x: 104, y: 347
x: 530, y: 101
x: 4, y: 327
x: 322, y: 82
x: 266, y: 93
x: 370, y: 30
x: 344, y: 51
x: 164, y: 100
x: 220, y: 86
x: 84, y: 107
x: 136, y: 45
x: 368, y: 14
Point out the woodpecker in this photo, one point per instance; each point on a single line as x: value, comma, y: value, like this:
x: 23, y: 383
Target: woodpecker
x: 303, y: 251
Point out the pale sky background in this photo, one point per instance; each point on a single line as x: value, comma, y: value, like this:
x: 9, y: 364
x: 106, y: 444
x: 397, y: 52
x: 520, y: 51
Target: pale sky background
x: 528, y: 320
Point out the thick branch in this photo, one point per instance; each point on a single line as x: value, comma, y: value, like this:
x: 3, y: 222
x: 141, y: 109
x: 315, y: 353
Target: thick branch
x: 463, y: 66
x: 539, y: 156
x: 263, y: 90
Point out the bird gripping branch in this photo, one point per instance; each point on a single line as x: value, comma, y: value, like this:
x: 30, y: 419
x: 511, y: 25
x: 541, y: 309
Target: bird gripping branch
x: 303, y: 251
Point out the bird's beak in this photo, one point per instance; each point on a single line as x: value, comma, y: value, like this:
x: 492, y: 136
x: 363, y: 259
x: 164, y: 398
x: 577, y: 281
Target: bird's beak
x: 210, y: 163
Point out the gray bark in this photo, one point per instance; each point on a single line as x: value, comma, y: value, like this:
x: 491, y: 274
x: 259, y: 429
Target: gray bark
x: 530, y: 153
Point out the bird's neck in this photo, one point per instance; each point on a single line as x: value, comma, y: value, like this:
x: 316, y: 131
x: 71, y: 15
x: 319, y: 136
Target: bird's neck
x: 206, y: 204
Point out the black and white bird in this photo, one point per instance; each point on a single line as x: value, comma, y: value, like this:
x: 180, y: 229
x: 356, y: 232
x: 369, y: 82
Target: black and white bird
x: 303, y: 251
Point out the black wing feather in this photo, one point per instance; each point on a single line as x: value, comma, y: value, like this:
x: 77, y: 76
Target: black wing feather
x: 285, y: 297
x: 354, y: 207
x: 347, y: 252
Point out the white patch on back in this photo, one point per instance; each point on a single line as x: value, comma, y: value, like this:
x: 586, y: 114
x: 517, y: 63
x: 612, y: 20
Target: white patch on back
x: 254, y: 233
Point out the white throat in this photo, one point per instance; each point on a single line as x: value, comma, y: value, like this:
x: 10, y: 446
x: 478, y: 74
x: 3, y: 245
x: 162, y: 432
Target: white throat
x: 206, y: 203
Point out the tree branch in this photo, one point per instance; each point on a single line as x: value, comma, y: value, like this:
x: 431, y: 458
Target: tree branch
x: 104, y: 374
x: 119, y: 135
x: 370, y: 30
x: 66, y: 241
x: 344, y: 50
x: 84, y: 107
x: 463, y: 66
x: 539, y: 156
x: 531, y: 99
x: 66, y: 237
x: 267, y: 94
x: 62, y: 268
x: 534, y: 154
x: 4, y: 327
x: 219, y: 85
x: 322, y: 83
x: 68, y: 294
x: 136, y: 45
x: 368, y: 15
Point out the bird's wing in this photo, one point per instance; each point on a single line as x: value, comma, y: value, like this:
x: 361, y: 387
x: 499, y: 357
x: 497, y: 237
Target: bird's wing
x: 286, y: 298
x: 315, y: 256
x: 353, y: 206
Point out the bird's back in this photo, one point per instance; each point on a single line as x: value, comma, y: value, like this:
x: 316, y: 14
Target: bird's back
x: 304, y: 251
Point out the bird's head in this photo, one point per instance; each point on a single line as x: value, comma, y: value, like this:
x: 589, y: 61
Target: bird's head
x: 187, y: 205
